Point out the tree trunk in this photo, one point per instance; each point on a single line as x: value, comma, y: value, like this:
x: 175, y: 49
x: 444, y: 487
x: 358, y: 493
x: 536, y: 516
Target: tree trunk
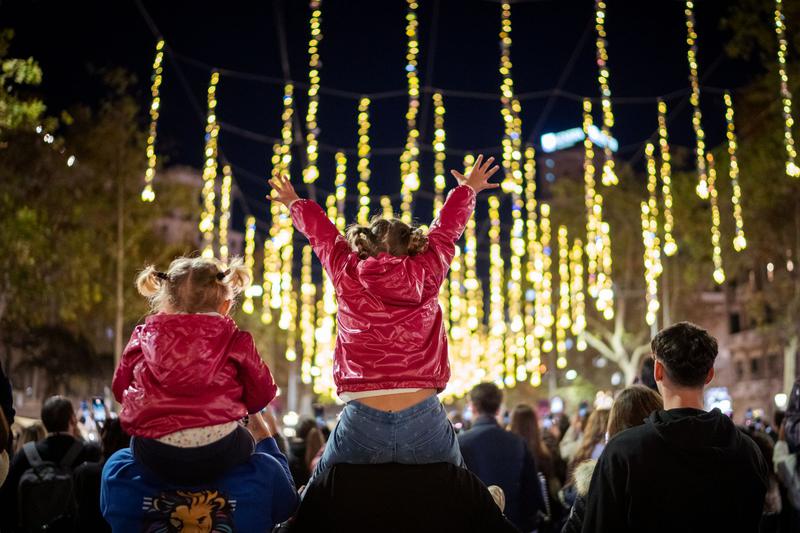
x: 120, y: 307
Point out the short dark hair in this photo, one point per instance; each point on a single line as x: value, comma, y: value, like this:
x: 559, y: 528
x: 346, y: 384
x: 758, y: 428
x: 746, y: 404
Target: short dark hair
x: 57, y: 413
x: 687, y: 352
x: 486, y: 397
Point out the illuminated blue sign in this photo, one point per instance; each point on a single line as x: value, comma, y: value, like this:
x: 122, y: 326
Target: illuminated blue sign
x: 552, y: 142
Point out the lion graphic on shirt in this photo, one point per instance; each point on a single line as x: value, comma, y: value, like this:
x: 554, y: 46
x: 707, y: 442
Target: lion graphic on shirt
x: 206, y: 511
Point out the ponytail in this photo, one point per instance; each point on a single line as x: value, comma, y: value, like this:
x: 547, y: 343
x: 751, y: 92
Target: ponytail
x: 149, y: 282
x: 418, y: 242
x: 362, y: 241
x: 237, y: 277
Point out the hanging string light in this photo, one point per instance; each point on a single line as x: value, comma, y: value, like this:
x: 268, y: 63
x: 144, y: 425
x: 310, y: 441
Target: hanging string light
x: 652, y: 244
x: 363, y: 161
x: 609, y: 175
x: 474, y: 295
x: 510, y: 110
x: 210, y: 170
x: 719, y: 272
x: 563, y: 318
x: 225, y: 212
x: 409, y: 160
x: 249, y: 261
x: 386, y: 207
x: 311, y: 172
x: 697, y: 116
x: 576, y: 296
x: 532, y: 276
x: 291, y: 331
x: 148, y: 194
x: 270, y: 269
x: 286, y: 129
x: 285, y: 238
x: 792, y: 169
x: 593, y: 239
x: 739, y: 240
x: 438, y: 152
x: 341, y: 190
x: 547, y: 278
x: 497, y: 308
x: 670, y: 246
x: 308, y: 292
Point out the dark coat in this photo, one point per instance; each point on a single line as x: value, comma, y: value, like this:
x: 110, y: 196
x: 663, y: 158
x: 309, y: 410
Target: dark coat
x: 499, y: 457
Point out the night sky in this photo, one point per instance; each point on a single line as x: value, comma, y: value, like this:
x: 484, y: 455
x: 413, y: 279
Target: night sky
x: 363, y: 51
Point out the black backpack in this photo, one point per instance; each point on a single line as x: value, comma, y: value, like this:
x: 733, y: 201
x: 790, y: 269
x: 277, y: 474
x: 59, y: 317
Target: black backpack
x: 47, y: 492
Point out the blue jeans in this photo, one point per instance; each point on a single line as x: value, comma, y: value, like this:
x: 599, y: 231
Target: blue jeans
x: 420, y: 434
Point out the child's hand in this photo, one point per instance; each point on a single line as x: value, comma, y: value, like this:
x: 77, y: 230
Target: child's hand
x: 478, y: 178
x: 282, y: 191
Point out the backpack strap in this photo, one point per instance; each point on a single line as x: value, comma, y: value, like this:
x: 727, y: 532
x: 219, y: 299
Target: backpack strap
x: 32, y: 454
x: 71, y: 454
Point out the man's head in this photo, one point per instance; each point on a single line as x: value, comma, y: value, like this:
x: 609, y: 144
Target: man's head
x: 486, y: 398
x: 684, y: 356
x: 58, y: 415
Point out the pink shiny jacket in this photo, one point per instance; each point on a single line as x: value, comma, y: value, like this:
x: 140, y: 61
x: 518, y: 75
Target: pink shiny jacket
x: 189, y: 370
x: 390, y: 326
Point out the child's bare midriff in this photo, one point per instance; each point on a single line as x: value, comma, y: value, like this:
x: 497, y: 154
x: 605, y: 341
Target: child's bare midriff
x: 397, y: 402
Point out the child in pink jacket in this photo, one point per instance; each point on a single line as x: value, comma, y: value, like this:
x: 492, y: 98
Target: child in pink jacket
x: 391, y: 356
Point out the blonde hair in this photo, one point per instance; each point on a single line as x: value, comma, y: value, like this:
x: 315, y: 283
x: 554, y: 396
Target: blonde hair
x: 193, y: 284
x: 388, y: 235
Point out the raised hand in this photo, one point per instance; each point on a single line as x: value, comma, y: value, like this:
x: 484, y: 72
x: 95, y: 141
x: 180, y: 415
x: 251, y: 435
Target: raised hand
x: 282, y: 191
x: 479, y: 176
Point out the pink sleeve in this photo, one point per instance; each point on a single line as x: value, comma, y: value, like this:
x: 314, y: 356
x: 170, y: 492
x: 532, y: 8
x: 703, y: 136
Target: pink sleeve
x: 123, y: 375
x: 329, y: 245
x: 447, y: 229
x: 258, y: 386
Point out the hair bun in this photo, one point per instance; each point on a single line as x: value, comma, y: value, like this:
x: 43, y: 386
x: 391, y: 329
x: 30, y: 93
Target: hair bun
x: 362, y: 241
x: 149, y: 280
x: 418, y: 242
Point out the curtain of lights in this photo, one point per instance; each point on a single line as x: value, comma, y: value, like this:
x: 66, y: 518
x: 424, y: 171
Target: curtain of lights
x: 670, y: 246
x: 786, y: 95
x: 363, y: 161
x: 739, y: 240
x: 697, y: 116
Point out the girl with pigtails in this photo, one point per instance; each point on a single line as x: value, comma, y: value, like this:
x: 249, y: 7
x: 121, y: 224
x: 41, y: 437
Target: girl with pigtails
x: 390, y: 359
x: 189, y: 375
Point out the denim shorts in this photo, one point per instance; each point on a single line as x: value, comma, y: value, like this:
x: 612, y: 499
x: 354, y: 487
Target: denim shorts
x: 420, y: 434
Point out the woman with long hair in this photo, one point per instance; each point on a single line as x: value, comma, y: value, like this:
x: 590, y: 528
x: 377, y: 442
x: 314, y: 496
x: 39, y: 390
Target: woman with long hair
x: 525, y: 423
x: 594, y: 437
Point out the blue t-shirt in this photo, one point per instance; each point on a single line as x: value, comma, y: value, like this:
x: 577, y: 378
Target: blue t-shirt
x: 251, y: 497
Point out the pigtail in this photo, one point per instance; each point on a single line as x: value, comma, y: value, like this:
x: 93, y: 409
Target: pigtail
x: 362, y: 241
x: 418, y: 242
x: 149, y: 281
x: 237, y: 276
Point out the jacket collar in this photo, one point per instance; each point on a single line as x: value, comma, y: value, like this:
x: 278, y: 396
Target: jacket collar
x: 485, y: 420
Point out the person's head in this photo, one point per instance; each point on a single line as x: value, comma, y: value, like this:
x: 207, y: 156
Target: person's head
x: 58, y: 415
x: 631, y: 407
x: 194, y: 285
x: 594, y: 433
x: 486, y: 399
x: 114, y: 437
x: 31, y: 433
x: 646, y: 376
x: 386, y: 235
x: 684, y: 357
x: 525, y: 423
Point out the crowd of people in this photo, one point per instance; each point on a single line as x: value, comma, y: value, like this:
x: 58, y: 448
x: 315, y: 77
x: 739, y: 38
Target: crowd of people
x: 197, y: 449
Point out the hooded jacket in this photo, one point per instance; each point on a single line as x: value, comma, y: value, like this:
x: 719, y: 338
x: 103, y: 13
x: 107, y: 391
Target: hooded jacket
x: 390, y: 330
x: 683, y: 470
x: 185, y: 371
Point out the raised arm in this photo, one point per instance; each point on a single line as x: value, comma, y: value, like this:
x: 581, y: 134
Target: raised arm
x: 453, y: 217
x: 329, y: 245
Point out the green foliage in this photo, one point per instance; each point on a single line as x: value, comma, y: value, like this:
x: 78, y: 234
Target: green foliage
x: 17, y: 111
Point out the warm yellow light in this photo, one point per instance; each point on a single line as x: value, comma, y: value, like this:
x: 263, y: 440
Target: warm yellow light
x: 694, y: 99
x: 739, y: 240
x: 609, y: 176
x: 670, y: 246
x: 363, y: 161
x: 409, y: 159
x: 225, y: 212
x: 148, y: 194
x: 249, y: 261
x: 210, y: 170
x: 786, y: 94
x: 439, y: 181
x: 311, y: 172
x: 716, y: 240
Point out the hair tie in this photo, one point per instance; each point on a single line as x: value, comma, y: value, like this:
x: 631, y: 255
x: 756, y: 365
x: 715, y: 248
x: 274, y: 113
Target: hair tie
x: 223, y: 275
x: 162, y: 275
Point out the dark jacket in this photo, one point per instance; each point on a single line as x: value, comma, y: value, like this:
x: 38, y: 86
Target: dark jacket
x: 87, y: 494
x: 499, y: 457
x: 683, y: 470
x: 6, y: 397
x: 387, y: 498
x: 52, y: 448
